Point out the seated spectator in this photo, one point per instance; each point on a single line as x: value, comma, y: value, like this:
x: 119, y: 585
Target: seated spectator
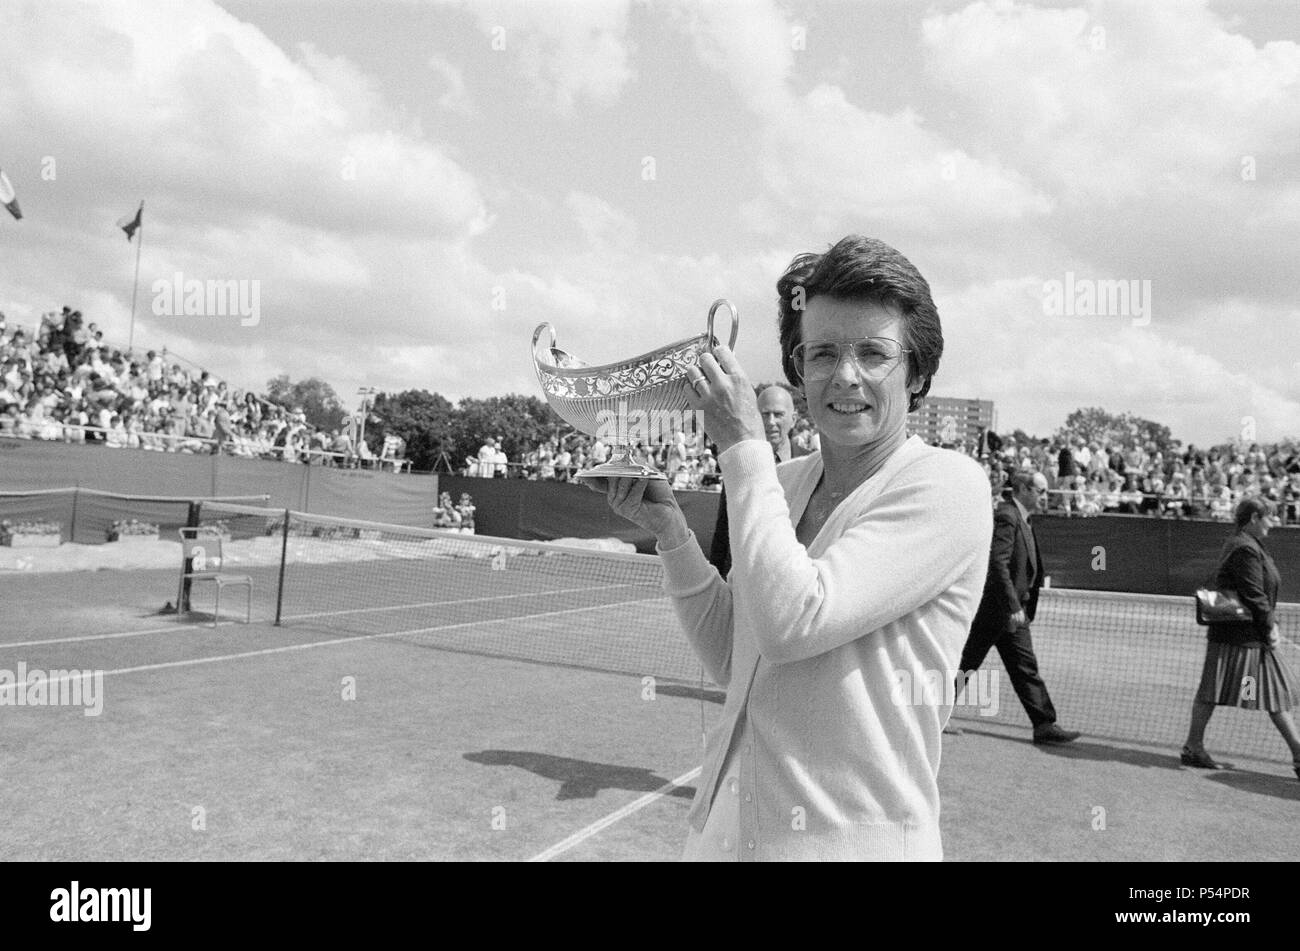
x: 1177, y: 497
x: 1088, y: 493
x: 283, y: 446
x: 200, y: 433
x: 710, y: 478
x: 393, y: 450
x: 103, y: 419
x: 341, y: 446
x: 1291, y: 499
x: 9, y: 420
x: 680, y: 480
x: 1222, y: 502
x: 317, y: 445
x: 1150, y: 505
x: 465, y: 509
x: 1198, y: 496
x: 1110, y: 501
x: 74, y: 424
x: 445, y: 514
x: 116, y: 435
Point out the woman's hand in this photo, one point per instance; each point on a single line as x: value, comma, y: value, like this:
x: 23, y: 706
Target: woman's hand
x: 649, y: 504
x: 720, y: 388
x: 1275, y: 637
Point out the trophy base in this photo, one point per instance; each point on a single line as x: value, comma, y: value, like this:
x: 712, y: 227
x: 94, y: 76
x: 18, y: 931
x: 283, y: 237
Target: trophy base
x: 622, y: 466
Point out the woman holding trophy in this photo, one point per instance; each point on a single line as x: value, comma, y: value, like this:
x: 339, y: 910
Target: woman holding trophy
x: 856, y: 571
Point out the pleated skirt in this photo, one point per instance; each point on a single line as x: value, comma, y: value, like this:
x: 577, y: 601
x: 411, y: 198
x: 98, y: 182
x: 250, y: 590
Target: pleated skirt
x: 1251, y: 677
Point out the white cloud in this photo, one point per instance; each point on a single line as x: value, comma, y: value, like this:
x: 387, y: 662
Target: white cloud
x: 603, y: 225
x: 572, y: 53
x: 186, y: 98
x: 832, y: 163
x: 290, y: 171
x: 455, y: 98
x: 1165, y: 104
x: 1017, y: 150
x: 1001, y: 346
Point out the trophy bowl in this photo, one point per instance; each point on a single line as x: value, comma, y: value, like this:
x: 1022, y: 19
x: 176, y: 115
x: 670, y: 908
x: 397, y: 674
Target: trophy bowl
x: 651, y: 387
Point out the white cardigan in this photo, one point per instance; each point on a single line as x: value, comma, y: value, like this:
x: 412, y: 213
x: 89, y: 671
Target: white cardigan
x: 813, y: 644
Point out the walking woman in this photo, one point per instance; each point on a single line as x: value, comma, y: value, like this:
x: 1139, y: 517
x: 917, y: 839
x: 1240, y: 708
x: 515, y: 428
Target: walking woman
x: 1243, y: 655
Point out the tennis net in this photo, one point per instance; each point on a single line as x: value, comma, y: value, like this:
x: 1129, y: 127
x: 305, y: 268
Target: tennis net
x: 530, y: 601
x: 1118, y: 666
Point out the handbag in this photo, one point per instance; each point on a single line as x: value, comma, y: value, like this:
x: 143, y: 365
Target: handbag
x: 1220, y: 607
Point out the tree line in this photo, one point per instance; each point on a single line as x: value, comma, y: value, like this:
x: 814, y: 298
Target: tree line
x: 431, y: 425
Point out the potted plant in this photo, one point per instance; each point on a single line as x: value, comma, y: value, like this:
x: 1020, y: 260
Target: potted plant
x: 220, y: 527
x: 30, y: 534
x: 131, y: 529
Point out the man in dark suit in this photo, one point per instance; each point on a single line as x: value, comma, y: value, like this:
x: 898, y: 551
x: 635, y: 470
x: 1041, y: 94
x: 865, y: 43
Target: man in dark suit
x: 1009, y: 604
x: 776, y: 406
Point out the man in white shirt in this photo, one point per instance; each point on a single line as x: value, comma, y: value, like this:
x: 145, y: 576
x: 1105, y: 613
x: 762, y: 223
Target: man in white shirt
x: 486, y: 459
x: 1082, y: 455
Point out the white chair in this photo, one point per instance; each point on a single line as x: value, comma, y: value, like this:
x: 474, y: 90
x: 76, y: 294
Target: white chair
x: 201, y: 554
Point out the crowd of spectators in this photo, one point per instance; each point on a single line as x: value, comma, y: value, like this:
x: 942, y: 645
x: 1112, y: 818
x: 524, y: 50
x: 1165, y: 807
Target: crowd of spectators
x: 1085, y: 478
x: 1089, y: 478
x: 687, y: 459
x: 64, y: 383
x: 457, y: 516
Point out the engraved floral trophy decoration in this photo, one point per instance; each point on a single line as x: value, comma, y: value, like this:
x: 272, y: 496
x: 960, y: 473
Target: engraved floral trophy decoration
x: 617, y: 399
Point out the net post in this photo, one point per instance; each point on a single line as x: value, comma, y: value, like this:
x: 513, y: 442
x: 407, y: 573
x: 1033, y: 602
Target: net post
x: 284, y: 556
x: 183, y: 601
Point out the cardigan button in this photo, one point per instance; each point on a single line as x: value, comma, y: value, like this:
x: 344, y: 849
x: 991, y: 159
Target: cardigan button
x: 751, y: 845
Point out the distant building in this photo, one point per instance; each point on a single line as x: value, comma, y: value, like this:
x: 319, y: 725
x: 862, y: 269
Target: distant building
x: 946, y: 420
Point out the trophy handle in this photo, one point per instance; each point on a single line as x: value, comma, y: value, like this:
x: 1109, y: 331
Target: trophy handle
x: 538, y: 333
x: 735, y: 322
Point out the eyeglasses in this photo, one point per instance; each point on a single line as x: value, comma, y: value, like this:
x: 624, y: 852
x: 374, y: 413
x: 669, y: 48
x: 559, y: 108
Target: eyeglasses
x: 875, y: 357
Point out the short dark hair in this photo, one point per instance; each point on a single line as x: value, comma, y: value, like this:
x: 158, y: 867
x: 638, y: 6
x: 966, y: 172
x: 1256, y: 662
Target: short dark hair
x: 1249, y: 508
x: 1020, y: 481
x: 863, y: 270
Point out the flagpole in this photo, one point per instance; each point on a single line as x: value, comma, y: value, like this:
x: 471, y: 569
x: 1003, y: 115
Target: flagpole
x: 135, y: 288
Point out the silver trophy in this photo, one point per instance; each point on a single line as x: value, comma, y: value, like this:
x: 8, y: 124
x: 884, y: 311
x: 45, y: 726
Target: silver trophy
x: 599, y: 400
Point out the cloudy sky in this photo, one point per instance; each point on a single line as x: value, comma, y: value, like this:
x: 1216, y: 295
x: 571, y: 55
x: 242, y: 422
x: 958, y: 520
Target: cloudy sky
x: 416, y: 185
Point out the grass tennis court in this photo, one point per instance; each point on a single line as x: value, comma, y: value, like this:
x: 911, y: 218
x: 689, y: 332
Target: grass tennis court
x: 444, y: 754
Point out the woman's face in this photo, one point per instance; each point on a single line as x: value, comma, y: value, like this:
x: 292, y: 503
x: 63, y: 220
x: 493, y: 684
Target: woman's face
x: 848, y: 409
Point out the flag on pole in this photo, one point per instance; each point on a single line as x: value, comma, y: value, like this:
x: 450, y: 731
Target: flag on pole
x: 7, y: 197
x: 132, y: 224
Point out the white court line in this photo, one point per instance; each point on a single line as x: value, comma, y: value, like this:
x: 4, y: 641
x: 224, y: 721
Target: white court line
x: 432, y: 604
x: 338, y: 640
x: 318, y: 614
x: 104, y: 637
x: 583, y: 834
